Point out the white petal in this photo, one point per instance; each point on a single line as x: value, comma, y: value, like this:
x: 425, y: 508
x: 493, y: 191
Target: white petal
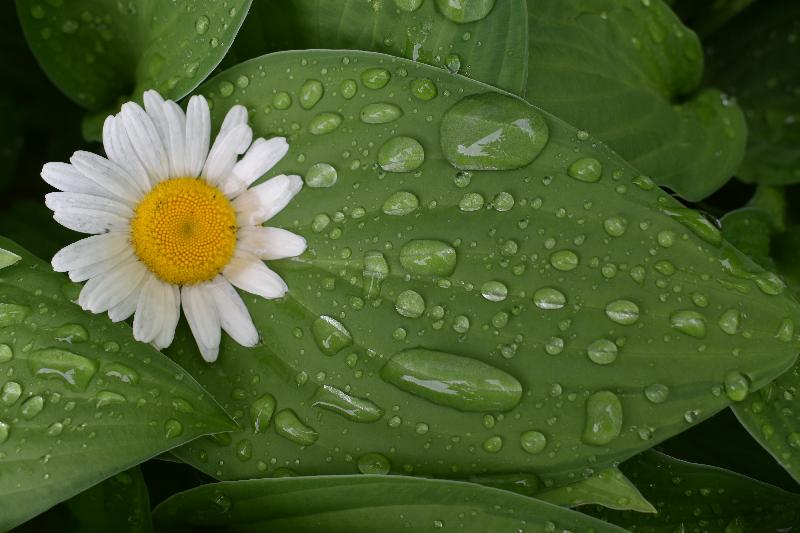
x: 176, y: 122
x: 127, y: 307
x: 65, y: 177
x: 90, y: 221
x: 264, y: 201
x: 64, y: 201
x: 250, y: 274
x: 259, y: 159
x: 152, y: 310
x: 172, y: 313
x: 100, y: 267
x: 146, y: 141
x: 109, y: 289
x: 270, y: 243
x: 108, y: 175
x: 119, y: 150
x: 228, y: 145
x: 201, y: 314
x: 198, y: 131
x: 233, y: 314
x: 90, y: 250
x: 236, y: 115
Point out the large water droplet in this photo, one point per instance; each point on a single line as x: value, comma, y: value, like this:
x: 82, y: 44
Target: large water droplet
x: 603, y: 418
x: 492, y: 132
x: 737, y: 386
x: 13, y: 314
x: 321, y: 175
x: 698, y: 223
x: 587, y: 169
x: 410, y: 304
x: 376, y: 269
x: 107, y: 397
x: 324, y: 123
x: 533, y: 442
x: 689, y: 322
x: 462, y: 11
x: 602, y: 352
x: 424, y: 89
x: 310, y: 93
x: 493, y: 444
x: 330, y: 335
x: 375, y: 78
x: 6, y: 353
x: 549, y: 298
x: 494, y: 291
x: 73, y: 369
x: 400, y: 203
x: 564, y: 260
x: 10, y: 393
x: 5, y: 431
x: 121, y: 372
x: 401, y: 154
x: 374, y: 463
x: 261, y: 411
x: 615, y: 226
x: 32, y: 407
x: 428, y: 258
x: 71, y: 333
x: 452, y: 380
x: 380, y: 113
x: 288, y: 425
x: 623, y: 312
x: 351, y: 407
x: 172, y: 429
x: 656, y: 393
x: 729, y: 321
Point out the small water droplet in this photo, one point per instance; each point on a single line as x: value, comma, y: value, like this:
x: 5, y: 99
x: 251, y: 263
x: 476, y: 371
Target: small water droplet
x: 729, y: 321
x: 321, y: 175
x: 376, y: 269
x: 330, y: 335
x: 201, y: 24
x: 586, y: 169
x: 615, y: 226
x: 6, y: 353
x: 10, y: 393
x: 282, y: 100
x: 656, y: 393
x: 373, y: 463
x: 410, y: 304
x: 424, y: 89
x: 737, y: 386
x: 32, y: 407
x: 533, y: 442
x: 493, y: 444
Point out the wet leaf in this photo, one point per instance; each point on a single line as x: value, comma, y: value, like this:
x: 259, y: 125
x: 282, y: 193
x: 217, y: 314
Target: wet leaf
x: 79, y: 399
x: 356, y: 504
x: 609, y: 488
x: 628, y: 72
x: 548, y: 319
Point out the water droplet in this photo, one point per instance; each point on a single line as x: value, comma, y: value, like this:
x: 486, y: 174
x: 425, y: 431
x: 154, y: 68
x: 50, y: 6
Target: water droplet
x: 564, y: 260
x: 461, y: 324
x: 400, y: 203
x: 201, y: 24
x: 71, y: 333
x: 310, y: 93
x: 5, y: 430
x: 623, y: 312
x: 6, y: 353
x: 106, y: 397
x: 330, y: 335
x: 785, y: 332
x: 424, y: 89
x: 226, y: 88
x: 321, y: 175
x: 55, y: 429
x: 503, y: 202
x: 689, y: 322
x: 554, y: 346
x: 410, y: 304
x: 615, y: 226
x: 325, y: 122
x: 462, y: 11
x: 348, y: 88
x: 288, y: 425
x: 244, y: 450
x: 401, y: 154
x: 73, y: 369
x: 549, y: 298
x: 351, y: 407
x: 493, y: 444
x: 32, y: 407
x: 428, y: 258
x: 533, y: 442
x: 282, y: 100
x: 380, y: 113
x: 656, y: 393
x: 373, y: 463
x: 471, y: 201
x: 376, y: 269
x: 452, y: 380
x: 375, y: 78
x: 121, y: 373
x: 603, y: 418
x: 492, y: 132
x: 666, y: 238
x: 452, y: 63
x: 261, y: 411
x: 602, y: 352
x: 494, y: 291
x: 586, y: 169
x: 729, y: 321
x: 696, y: 222
x: 13, y: 314
x: 172, y: 429
x: 10, y: 393
x: 737, y: 386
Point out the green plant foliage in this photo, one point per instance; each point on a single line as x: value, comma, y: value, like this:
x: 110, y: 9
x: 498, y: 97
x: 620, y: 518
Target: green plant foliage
x: 98, y: 51
x: 691, y: 497
x: 706, y: 17
x: 609, y: 488
x: 628, y: 72
x: 492, y: 49
x: 358, y: 504
x: 118, y: 504
x: 756, y: 57
x: 78, y: 391
x: 547, y: 319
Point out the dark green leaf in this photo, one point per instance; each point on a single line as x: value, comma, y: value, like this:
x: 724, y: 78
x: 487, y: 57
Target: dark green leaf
x: 706, y: 17
x: 492, y: 49
x: 609, y: 488
x: 596, y: 300
x: 691, y: 497
x: 750, y: 229
x: 628, y: 72
x: 361, y: 504
x: 80, y: 400
x: 98, y: 51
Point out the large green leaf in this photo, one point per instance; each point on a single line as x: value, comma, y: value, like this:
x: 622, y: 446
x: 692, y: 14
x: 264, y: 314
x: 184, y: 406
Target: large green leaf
x: 362, y: 504
x: 628, y: 72
x: 119, y: 504
x: 756, y: 57
x: 706, y: 17
x: 492, y: 49
x: 609, y: 488
x: 98, y: 51
x: 691, y: 497
x: 80, y: 400
x: 404, y: 265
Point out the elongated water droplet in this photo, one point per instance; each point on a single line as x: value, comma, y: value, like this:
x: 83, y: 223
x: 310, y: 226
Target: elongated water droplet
x: 380, y: 113
x: 376, y: 269
x: 602, y: 352
x: 494, y: 291
x: 549, y: 298
x: 564, y: 260
x: 6, y: 353
x: 374, y: 463
x: 462, y: 11
x: 330, y: 335
x: 13, y: 314
x: 452, y: 380
x: 696, y: 222
x: 410, y: 304
x: 428, y: 258
x: 351, y: 407
x: 737, y: 386
x: 10, y: 393
x: 261, y: 411
x: 603, y: 418
x: 533, y: 442
x: 324, y: 123
x: 492, y: 132
x: 5, y: 431
x: 121, y: 372
x: 311, y: 93
x: 401, y: 154
x: 75, y: 370
x: 289, y: 426
x: 400, y: 203
x: 375, y: 78
x: 32, y: 407
x: 172, y: 429
x: 785, y: 330
x: 107, y: 397
x: 689, y: 322
x: 71, y: 333
x: 623, y: 312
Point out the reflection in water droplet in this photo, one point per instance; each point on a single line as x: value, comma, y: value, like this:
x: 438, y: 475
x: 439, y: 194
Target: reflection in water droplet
x: 602, y: 352
x: 32, y: 407
x: 380, y: 113
x: 424, y: 89
x: 689, y: 322
x: 587, y: 169
x: 324, y: 123
x: 400, y: 203
x: 533, y: 442
x: 375, y: 78
x: 603, y: 418
x: 321, y: 175
x: 401, y: 154
x: 737, y: 386
x: 462, y: 11
x: 289, y: 426
x: 564, y: 260
x: 623, y: 312
x: 75, y: 370
x: 376, y: 269
x: 549, y: 298
x: 428, y: 258
x: 172, y: 429
x: 410, y: 304
x: 330, y: 335
x: 656, y: 393
x: 310, y: 93
x: 494, y: 291
x: 374, y: 463
x: 351, y: 407
x: 261, y: 411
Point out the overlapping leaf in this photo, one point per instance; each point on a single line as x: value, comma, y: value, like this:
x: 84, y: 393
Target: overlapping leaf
x: 629, y: 72
x: 79, y: 399
x: 615, y: 317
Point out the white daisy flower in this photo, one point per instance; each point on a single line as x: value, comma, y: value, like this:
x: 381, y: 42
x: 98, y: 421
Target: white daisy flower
x: 173, y: 222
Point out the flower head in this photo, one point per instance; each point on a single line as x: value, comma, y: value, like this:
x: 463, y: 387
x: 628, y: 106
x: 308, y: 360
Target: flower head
x: 174, y: 224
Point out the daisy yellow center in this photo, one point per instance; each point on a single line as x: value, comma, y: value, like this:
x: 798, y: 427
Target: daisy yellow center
x: 184, y: 230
